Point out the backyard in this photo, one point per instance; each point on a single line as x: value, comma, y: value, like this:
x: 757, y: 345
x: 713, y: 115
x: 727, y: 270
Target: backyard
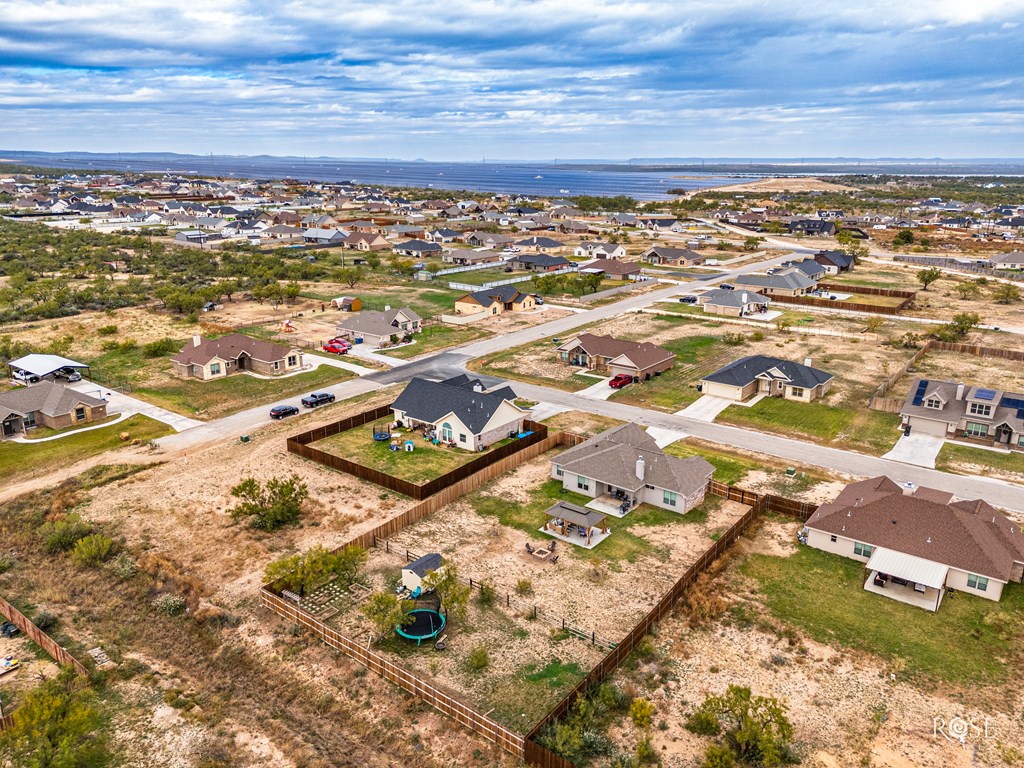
x: 438, y: 336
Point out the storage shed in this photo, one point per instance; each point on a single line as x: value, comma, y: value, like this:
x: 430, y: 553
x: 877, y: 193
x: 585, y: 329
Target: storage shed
x: 347, y: 303
x: 413, y: 573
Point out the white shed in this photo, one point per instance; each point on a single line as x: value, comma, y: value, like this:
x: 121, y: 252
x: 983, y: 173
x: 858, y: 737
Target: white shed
x: 413, y: 573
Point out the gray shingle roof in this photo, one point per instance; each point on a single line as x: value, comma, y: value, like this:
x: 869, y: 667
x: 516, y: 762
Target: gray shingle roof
x: 790, y: 279
x: 723, y: 297
x: 377, y: 323
x: 430, y: 401
x: 741, y: 372
x: 500, y: 293
x: 424, y: 565
x: 46, y: 397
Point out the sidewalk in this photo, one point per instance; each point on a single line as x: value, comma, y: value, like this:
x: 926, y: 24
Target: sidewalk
x: 71, y: 432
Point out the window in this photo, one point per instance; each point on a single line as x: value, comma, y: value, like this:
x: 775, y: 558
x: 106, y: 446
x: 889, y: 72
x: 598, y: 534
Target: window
x: 863, y: 550
x: 583, y: 483
x: 980, y: 409
x: 558, y: 471
x: 976, y: 430
x: 933, y: 403
x: 1020, y: 441
x: 446, y: 432
x: 462, y: 438
x: 79, y: 413
x: 277, y: 366
x: 215, y: 369
x: 797, y: 391
x: 669, y: 498
x: 833, y: 538
x: 979, y: 583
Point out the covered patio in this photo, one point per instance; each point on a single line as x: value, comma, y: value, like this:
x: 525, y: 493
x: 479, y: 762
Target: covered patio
x: 575, y: 525
x: 909, y: 579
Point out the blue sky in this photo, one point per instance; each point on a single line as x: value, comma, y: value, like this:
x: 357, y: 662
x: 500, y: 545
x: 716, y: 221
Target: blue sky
x: 515, y: 80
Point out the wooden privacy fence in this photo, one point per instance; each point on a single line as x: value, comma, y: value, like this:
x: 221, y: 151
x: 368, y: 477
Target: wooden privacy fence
x: 868, y: 290
x: 975, y: 350
x: 849, y: 306
x: 40, y: 638
x: 301, y: 445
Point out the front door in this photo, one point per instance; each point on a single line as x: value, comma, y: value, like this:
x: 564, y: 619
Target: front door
x: 446, y: 432
x: 1003, y: 434
x: 243, y: 362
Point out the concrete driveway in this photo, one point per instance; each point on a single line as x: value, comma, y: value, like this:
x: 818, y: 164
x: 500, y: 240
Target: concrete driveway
x: 916, y: 449
x: 706, y: 408
x: 599, y: 391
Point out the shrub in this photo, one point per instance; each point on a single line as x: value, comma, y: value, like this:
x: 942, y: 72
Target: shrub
x: 757, y: 336
x: 6, y: 563
x: 106, y: 330
x: 759, y: 731
x: 170, y: 605
x: 92, y: 550
x: 645, y: 752
x: 45, y: 620
x: 734, y: 339
x: 640, y: 712
x: 124, y: 566
x: 160, y: 348
x: 524, y: 587
x: 703, y: 723
x: 478, y: 659
x: 718, y: 756
x: 485, y: 597
x: 304, y: 573
x: 270, y: 506
x: 62, y: 535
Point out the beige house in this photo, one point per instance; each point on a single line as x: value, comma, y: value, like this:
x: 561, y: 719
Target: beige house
x: 770, y: 376
x: 917, y: 543
x: 495, y: 301
x: 721, y: 301
x: 213, y: 358
x: 674, y: 257
x: 47, y: 404
x: 366, y: 241
x: 788, y: 282
x: 624, y: 467
x: 606, y: 353
x: 374, y: 327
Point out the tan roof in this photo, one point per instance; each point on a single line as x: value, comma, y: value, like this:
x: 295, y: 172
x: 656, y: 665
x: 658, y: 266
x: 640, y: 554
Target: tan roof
x: 571, y: 513
x: 972, y: 536
x: 46, y: 397
x: 229, y: 348
x: 641, y: 354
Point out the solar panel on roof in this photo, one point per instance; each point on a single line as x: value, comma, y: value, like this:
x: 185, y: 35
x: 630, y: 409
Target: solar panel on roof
x: 984, y: 394
x: 919, y: 395
x: 1011, y: 402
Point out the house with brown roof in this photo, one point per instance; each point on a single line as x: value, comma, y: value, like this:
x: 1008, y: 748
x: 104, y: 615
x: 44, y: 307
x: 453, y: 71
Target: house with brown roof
x: 917, y: 543
x: 624, y: 467
x: 949, y: 409
x: 640, y: 359
x: 672, y: 257
x: 611, y: 268
x: 366, y: 241
x: 47, y: 404
x: 214, y: 358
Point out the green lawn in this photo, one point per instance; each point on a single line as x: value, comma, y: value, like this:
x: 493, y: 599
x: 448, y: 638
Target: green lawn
x: 435, y: 337
x: 969, y: 641
x: 964, y: 460
x: 855, y: 427
x: 623, y: 544
x: 419, y: 466
x: 482, y: 276
x: 42, y: 432
x: 511, y: 363
x: 25, y: 459
x: 675, y: 388
x: 729, y: 469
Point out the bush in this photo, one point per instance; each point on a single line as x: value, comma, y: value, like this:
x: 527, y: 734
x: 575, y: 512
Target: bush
x: 703, y: 723
x: 478, y: 659
x: 524, y: 587
x: 270, y: 506
x: 45, y: 620
x: 92, y: 550
x: 485, y: 597
x: 734, y: 339
x: 170, y: 605
x: 124, y: 567
x: 645, y: 752
x: 718, y: 756
x: 160, y: 348
x: 6, y: 563
x: 106, y: 330
x: 640, y: 712
x: 62, y: 535
x: 757, y: 336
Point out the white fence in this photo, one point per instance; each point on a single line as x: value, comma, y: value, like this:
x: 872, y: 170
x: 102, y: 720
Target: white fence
x: 424, y: 274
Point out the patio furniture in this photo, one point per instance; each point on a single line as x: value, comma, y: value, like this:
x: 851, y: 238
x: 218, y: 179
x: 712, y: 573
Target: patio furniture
x: 529, y: 549
x: 554, y: 559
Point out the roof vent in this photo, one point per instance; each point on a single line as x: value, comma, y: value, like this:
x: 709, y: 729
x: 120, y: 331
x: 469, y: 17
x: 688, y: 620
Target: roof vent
x: 197, y: 340
x: 909, y: 489
x: 807, y: 362
x: 894, y: 521
x: 929, y: 539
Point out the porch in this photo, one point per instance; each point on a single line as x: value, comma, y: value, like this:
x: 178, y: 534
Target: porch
x: 575, y: 525
x: 906, y: 578
x: 907, y: 592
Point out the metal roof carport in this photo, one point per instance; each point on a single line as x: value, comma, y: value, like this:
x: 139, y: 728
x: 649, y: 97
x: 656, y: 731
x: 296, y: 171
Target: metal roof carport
x: 43, y: 365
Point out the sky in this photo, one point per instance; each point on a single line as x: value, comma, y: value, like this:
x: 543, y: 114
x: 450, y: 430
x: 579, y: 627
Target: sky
x: 519, y: 80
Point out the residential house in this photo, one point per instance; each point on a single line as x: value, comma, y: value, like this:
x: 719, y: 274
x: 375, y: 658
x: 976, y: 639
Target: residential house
x: 721, y: 301
x: 319, y: 221
x: 539, y: 244
x: 612, y: 268
x: 539, y: 262
x: 788, y: 282
x: 363, y: 241
x: 674, y: 257
x: 464, y: 257
x: 917, y: 543
x: 952, y: 410
x: 213, y: 358
x: 809, y: 267
x: 640, y: 359
x: 659, y: 223
x: 747, y: 377
x: 1014, y: 260
x: 834, y: 262
x: 495, y: 301
x: 625, y: 463
x: 374, y: 327
x: 458, y: 413
x: 442, y: 235
x: 487, y: 239
x: 282, y: 232
x: 812, y: 227
x: 417, y: 249
x: 197, y: 237
x: 596, y: 249
x: 47, y: 404
x: 573, y: 228
x: 622, y: 220
x: 319, y: 236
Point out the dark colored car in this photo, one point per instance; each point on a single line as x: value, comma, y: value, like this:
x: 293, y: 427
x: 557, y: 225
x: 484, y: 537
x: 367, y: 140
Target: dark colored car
x: 317, y: 398
x: 687, y: 299
x: 280, y: 411
x: 728, y: 286
x: 620, y: 380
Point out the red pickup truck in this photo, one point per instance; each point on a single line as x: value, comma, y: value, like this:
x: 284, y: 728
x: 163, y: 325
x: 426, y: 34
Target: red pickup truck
x: 620, y: 380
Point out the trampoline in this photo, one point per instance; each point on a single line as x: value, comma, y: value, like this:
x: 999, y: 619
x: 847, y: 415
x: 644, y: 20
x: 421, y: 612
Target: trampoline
x: 426, y: 624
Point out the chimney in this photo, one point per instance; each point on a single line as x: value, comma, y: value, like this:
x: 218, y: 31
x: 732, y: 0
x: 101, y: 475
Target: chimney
x: 387, y: 307
x: 960, y: 391
x: 197, y: 340
x: 640, y: 466
x: 909, y: 489
x: 807, y: 362
x: 743, y: 297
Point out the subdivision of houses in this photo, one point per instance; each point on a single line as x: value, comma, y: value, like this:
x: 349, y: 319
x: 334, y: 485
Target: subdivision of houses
x: 494, y: 301
x: 949, y: 409
x: 625, y: 464
x: 47, y: 404
x: 755, y: 375
x: 721, y: 301
x: 214, y: 358
x: 373, y: 327
x: 917, y: 544
x: 640, y: 359
x: 456, y: 411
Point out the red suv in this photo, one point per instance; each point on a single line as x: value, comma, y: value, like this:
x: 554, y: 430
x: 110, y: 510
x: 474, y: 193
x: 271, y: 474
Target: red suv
x: 620, y: 380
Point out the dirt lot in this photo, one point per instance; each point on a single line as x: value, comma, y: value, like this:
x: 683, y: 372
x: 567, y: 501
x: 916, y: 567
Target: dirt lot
x: 767, y: 186
x: 994, y: 372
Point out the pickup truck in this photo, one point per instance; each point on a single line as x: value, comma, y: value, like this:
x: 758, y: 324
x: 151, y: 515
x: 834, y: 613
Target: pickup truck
x: 317, y: 398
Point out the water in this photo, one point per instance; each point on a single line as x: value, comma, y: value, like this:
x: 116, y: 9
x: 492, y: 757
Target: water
x: 513, y: 178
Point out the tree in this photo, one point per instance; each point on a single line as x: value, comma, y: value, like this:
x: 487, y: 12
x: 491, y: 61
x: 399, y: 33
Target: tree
x: 874, y: 323
x: 304, y: 573
x: 928, y: 276
x: 373, y: 260
x: 269, y: 506
x: 903, y: 237
x: 57, y: 725
x: 453, y: 594
x: 844, y: 237
x: 755, y: 727
x: 291, y: 292
x: 351, y: 276
x: 1004, y: 293
x: 968, y: 290
x: 857, y: 251
x: 385, y: 611
x: 751, y: 243
x: 957, y: 328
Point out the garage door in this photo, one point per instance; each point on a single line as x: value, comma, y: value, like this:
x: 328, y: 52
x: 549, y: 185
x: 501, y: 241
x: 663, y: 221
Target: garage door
x: 927, y: 427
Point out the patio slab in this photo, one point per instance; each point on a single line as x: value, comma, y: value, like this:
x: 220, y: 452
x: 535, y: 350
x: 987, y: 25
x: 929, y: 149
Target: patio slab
x: 576, y: 540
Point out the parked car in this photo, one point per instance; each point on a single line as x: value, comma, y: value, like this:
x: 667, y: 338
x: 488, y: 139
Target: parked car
x: 538, y: 299
x: 620, y: 380
x: 687, y: 299
x: 341, y: 342
x: 25, y: 376
x: 68, y: 374
x: 280, y: 411
x: 335, y: 349
x: 317, y: 398
x: 728, y: 286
